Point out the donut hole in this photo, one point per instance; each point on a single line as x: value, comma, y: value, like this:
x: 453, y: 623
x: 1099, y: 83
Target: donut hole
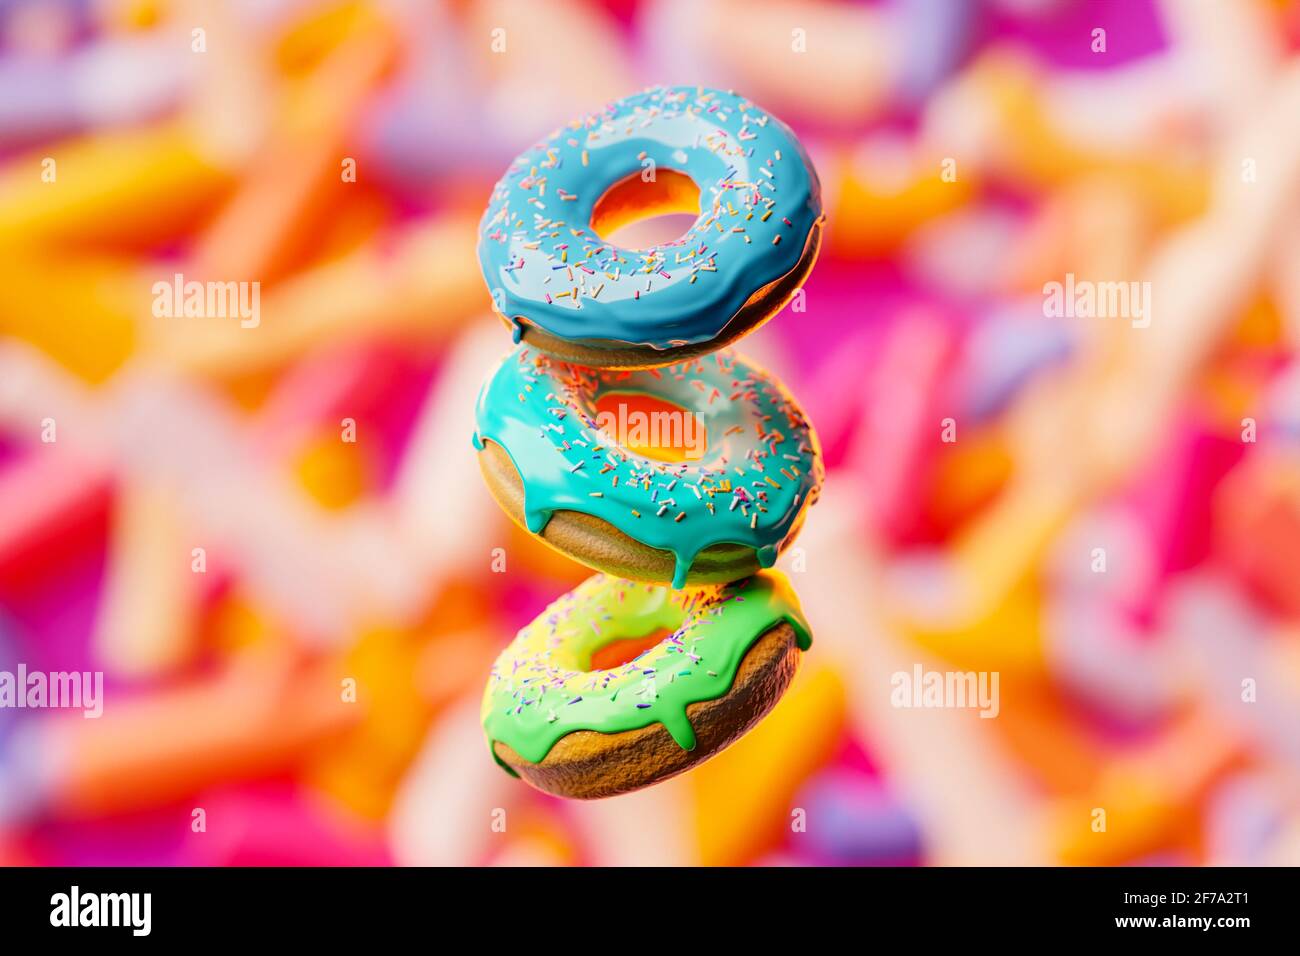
x: 635, y: 214
x: 651, y: 426
x: 623, y: 649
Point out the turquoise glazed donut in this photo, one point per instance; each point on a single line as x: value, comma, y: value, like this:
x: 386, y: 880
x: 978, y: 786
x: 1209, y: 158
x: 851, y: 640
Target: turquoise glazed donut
x: 716, y: 516
x: 580, y: 298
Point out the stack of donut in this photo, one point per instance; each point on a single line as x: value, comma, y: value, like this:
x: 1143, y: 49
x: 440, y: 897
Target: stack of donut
x: 684, y: 640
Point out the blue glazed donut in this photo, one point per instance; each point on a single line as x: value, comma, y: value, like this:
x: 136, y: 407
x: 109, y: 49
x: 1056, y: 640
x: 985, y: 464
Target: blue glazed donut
x: 572, y: 294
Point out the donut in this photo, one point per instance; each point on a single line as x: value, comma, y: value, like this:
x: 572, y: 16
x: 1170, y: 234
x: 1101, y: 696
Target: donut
x: 548, y: 435
x: 621, y: 684
x: 577, y: 297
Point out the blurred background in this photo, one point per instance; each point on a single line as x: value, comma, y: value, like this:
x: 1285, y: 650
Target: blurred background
x: 1101, y: 508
